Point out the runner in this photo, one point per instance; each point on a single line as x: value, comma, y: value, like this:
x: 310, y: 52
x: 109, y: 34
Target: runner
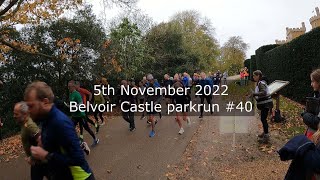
x: 30, y: 134
x: 168, y: 83
x: 205, y: 83
x: 141, y: 96
x: 79, y: 117
x: 150, y: 99
x: 127, y: 100
x: 153, y: 83
x: 98, y: 99
x: 60, y: 144
x: 181, y: 100
x: 84, y: 93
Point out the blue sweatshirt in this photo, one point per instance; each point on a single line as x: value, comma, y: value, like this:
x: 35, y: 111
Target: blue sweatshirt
x: 60, y: 139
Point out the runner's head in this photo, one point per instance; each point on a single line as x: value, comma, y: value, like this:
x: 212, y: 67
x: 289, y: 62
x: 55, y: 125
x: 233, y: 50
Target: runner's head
x: 124, y: 83
x: 72, y: 86
x: 20, y: 112
x: 39, y: 98
x: 77, y: 84
x: 203, y: 75
x: 257, y: 75
x: 315, y: 80
x: 166, y: 77
x: 176, y: 77
x: 150, y: 78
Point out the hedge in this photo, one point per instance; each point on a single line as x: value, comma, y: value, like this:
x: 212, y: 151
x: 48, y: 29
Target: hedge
x: 260, y: 62
x: 293, y: 61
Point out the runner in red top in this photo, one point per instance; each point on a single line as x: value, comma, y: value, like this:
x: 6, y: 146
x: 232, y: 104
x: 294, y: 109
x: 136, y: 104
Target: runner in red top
x: 84, y: 93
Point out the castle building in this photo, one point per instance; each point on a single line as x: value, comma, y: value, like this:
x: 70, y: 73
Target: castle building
x: 315, y: 20
x: 293, y: 33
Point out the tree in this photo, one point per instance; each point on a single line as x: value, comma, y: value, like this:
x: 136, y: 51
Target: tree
x: 198, y: 37
x: 126, y: 50
x: 77, y: 44
x: 36, y: 12
x: 233, y: 54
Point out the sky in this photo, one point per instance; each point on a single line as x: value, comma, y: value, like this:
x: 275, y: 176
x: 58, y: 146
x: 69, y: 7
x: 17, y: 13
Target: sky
x: 258, y: 22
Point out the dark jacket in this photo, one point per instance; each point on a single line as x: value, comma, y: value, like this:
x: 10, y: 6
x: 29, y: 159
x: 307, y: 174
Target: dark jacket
x: 206, y: 86
x: 310, y: 119
x: 60, y: 139
x: 301, y: 151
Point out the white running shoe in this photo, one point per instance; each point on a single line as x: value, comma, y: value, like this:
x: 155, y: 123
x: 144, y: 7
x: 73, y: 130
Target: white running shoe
x: 188, y: 121
x: 181, y: 131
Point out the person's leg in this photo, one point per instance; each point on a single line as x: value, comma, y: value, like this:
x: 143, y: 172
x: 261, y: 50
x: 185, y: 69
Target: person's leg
x: 89, y: 120
x: 95, y: 115
x: 151, y: 119
x: 37, y: 172
x: 142, y: 101
x: 209, y: 101
x: 125, y: 116
x: 79, y: 121
x: 201, y: 107
x: 101, y: 117
x: 86, y: 127
x: 131, y: 118
x: 264, y: 115
x: 178, y: 119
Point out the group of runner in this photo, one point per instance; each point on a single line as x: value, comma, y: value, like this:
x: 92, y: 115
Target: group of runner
x: 48, y: 128
x: 183, y: 81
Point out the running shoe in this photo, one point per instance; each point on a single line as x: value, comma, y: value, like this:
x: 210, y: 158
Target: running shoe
x: 152, y: 133
x: 181, y: 131
x: 132, y: 129
x: 149, y: 122
x: 96, y: 141
x: 103, y: 123
x: 85, y: 148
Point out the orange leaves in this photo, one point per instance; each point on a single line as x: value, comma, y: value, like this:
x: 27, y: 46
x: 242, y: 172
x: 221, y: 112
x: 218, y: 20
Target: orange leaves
x: 10, y: 148
x: 68, y: 48
x: 37, y: 11
x: 107, y: 43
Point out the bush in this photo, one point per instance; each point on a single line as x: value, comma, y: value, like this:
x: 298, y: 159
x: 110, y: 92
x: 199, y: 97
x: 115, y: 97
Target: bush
x: 293, y: 61
x: 261, y: 64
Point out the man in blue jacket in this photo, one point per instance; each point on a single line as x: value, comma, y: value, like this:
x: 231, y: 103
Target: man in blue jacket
x: 59, y: 146
x: 206, y: 92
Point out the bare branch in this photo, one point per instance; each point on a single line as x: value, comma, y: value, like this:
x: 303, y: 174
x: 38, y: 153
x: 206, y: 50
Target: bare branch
x: 1, y: 2
x: 12, y: 3
x: 14, y: 11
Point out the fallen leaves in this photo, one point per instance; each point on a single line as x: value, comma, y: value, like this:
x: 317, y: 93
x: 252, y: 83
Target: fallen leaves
x: 10, y: 148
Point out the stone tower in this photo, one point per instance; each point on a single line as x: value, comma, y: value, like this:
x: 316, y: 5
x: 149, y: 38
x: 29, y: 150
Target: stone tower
x: 315, y: 20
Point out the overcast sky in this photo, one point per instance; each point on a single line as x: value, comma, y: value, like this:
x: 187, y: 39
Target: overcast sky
x: 258, y: 22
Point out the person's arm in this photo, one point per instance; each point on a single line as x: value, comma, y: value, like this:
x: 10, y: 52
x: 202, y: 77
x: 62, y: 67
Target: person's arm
x: 103, y: 101
x: 87, y: 93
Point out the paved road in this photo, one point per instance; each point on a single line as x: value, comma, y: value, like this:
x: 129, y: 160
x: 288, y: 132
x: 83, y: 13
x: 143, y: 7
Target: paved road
x: 128, y: 155
x: 122, y: 154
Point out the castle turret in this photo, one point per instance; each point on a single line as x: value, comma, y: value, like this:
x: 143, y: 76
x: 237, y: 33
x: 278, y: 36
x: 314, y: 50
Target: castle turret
x: 315, y: 20
x: 293, y: 33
